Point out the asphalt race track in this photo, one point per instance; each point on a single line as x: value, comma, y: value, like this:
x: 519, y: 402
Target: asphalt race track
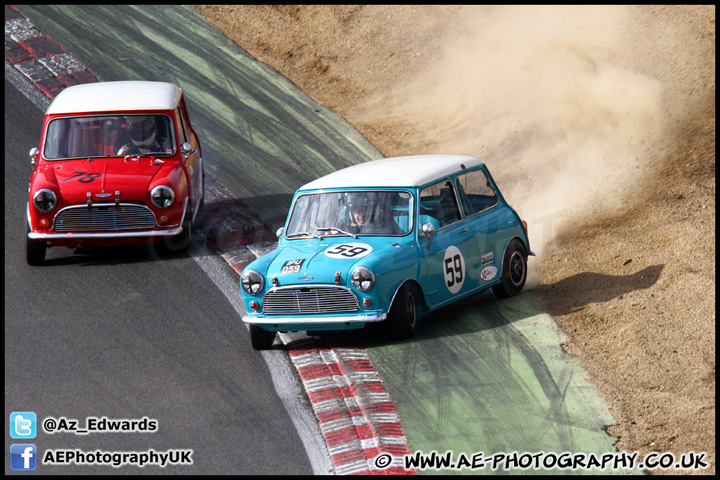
x: 124, y: 335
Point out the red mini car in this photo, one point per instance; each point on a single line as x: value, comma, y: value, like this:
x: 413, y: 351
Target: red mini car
x: 118, y: 164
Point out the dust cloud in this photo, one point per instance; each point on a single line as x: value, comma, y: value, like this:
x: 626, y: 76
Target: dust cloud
x: 549, y: 98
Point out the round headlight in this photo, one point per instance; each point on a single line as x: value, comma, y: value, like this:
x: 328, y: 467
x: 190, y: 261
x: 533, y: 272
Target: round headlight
x: 252, y: 282
x: 162, y: 196
x: 362, y: 278
x: 44, y: 200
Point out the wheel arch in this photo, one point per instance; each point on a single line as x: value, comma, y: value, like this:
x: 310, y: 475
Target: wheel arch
x: 507, y: 244
x: 422, y: 305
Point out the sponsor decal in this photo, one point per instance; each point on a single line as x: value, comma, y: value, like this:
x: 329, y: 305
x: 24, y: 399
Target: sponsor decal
x: 488, y: 273
x: 348, y: 250
x: 454, y: 265
x: 487, y: 258
x: 292, y: 266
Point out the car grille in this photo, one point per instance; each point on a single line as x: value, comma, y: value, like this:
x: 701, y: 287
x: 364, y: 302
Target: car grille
x: 309, y: 300
x: 104, y: 218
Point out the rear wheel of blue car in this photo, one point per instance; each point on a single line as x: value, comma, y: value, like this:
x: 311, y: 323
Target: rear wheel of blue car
x: 403, y: 315
x: 260, y: 338
x: 514, y: 271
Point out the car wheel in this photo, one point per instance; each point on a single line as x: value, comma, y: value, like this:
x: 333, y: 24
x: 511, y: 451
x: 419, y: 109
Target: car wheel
x: 34, y: 249
x: 182, y: 240
x: 514, y: 271
x: 260, y: 338
x: 403, y: 316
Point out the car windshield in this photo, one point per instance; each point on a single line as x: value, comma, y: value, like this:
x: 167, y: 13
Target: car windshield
x: 359, y: 212
x: 108, y: 136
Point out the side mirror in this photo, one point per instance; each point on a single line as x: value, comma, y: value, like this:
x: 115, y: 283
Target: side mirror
x: 33, y: 155
x: 186, y: 150
x: 279, y: 232
x: 425, y: 231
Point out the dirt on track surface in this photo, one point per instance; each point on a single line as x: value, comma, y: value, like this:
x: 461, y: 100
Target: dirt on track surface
x: 598, y: 124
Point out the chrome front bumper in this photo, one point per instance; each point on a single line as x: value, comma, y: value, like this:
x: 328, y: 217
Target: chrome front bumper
x: 313, y: 320
x: 72, y: 235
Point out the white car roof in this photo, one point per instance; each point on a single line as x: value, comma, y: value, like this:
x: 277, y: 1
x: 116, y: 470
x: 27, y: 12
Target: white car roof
x: 407, y: 171
x: 116, y: 96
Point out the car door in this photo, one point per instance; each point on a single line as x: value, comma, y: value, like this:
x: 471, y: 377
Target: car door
x: 485, y: 220
x: 448, y: 251
x: 192, y: 158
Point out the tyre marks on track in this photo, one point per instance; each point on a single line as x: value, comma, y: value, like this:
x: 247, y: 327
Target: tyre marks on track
x: 491, y: 376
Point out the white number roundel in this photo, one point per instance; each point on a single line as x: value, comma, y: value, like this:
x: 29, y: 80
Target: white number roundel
x: 348, y: 251
x: 454, y: 268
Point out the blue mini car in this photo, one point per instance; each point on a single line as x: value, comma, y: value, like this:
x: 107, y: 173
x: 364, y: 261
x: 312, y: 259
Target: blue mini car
x: 387, y: 240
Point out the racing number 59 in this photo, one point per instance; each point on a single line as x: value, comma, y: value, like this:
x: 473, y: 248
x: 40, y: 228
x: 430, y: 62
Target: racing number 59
x: 347, y: 250
x: 453, y: 270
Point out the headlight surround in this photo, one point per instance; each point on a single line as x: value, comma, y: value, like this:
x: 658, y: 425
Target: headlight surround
x: 252, y: 282
x: 162, y: 196
x: 45, y: 200
x: 362, y: 278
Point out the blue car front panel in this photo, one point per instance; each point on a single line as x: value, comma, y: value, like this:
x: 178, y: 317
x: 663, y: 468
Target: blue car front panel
x: 310, y: 263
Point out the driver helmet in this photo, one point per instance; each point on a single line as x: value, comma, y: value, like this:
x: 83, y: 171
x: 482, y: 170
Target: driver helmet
x: 362, y: 203
x: 142, y: 129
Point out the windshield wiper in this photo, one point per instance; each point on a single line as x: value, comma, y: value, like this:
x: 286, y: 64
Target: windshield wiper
x: 327, y: 229
x: 300, y: 234
x: 134, y: 158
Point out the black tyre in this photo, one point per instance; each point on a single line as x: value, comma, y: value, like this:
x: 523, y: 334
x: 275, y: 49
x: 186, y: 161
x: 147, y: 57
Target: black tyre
x: 260, y: 338
x: 403, y: 315
x: 182, y: 240
x: 514, y: 271
x: 34, y: 250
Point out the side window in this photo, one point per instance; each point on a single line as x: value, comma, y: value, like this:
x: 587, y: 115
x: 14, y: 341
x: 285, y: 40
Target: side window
x: 181, y: 127
x: 185, y: 119
x: 475, y: 192
x: 438, y: 205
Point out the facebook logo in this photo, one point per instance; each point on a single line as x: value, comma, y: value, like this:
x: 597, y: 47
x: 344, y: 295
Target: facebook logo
x: 22, y: 456
x: 23, y: 425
